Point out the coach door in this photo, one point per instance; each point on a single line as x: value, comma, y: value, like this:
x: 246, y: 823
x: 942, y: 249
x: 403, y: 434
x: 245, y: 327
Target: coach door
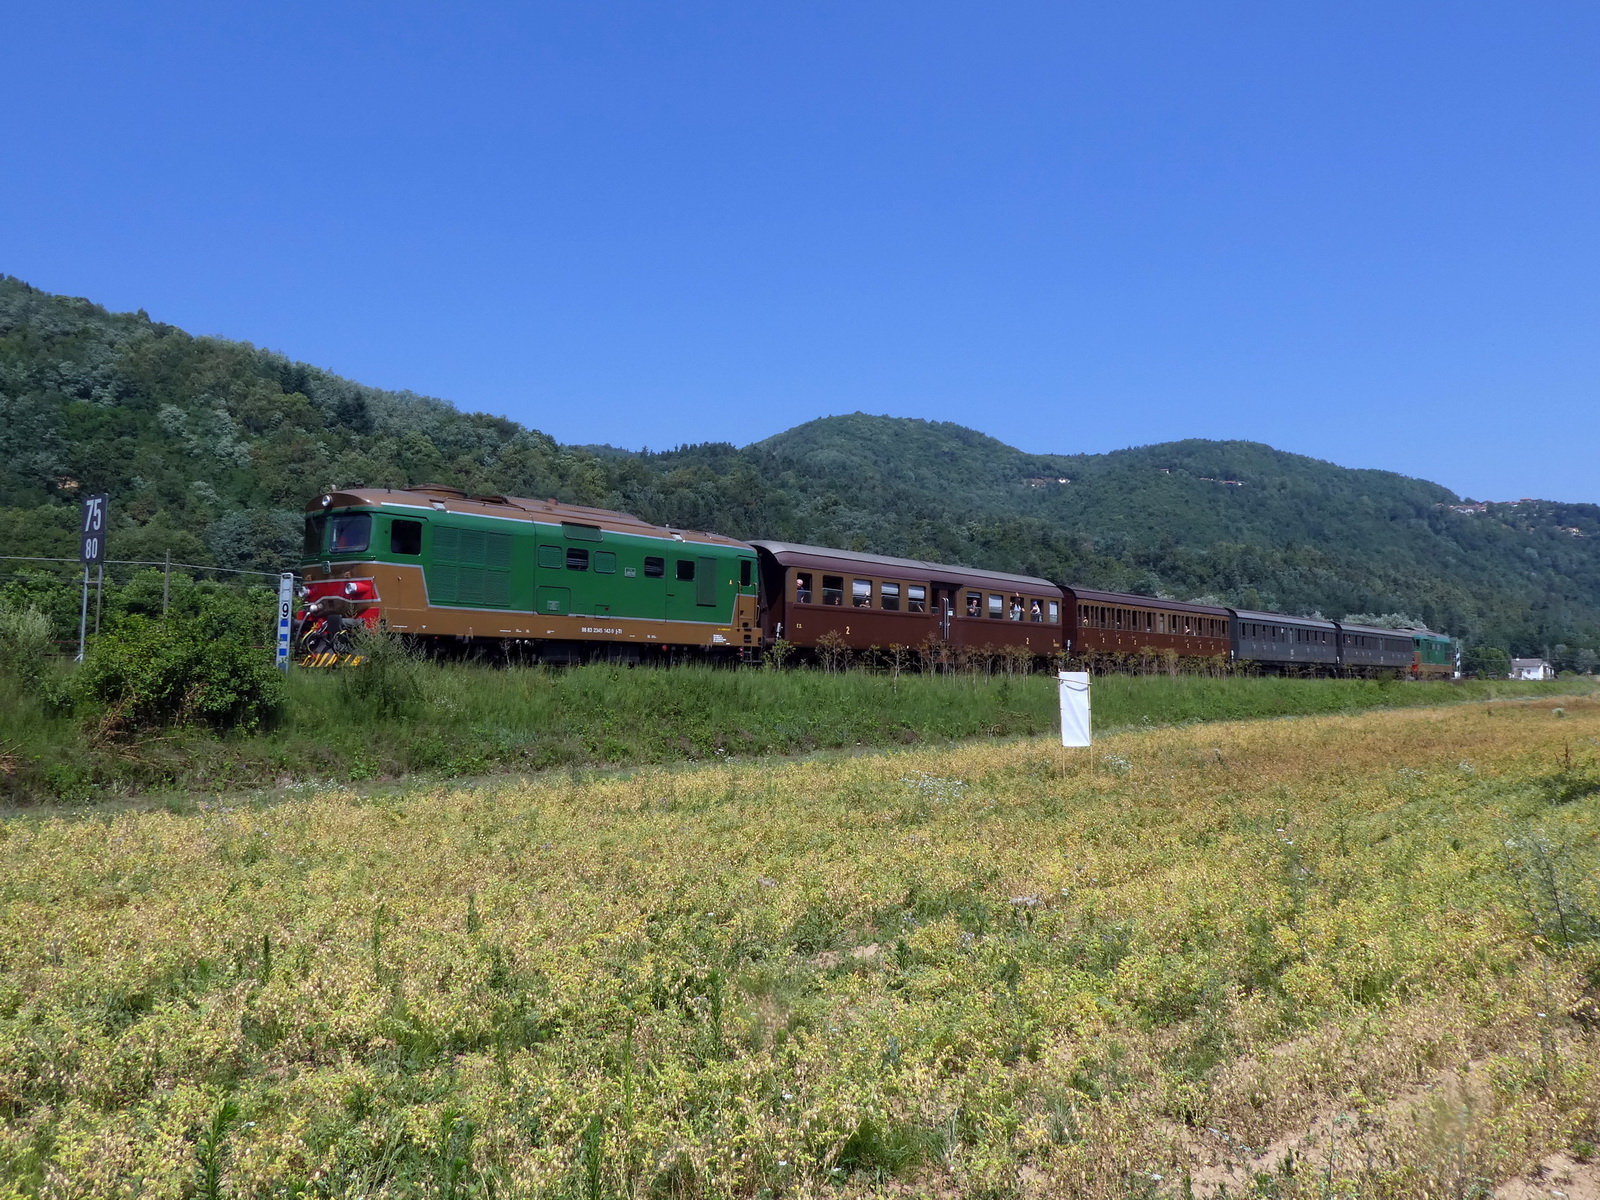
x: 944, y: 607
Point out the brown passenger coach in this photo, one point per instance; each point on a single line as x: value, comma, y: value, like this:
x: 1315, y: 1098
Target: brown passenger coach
x: 871, y: 600
x: 1117, y: 623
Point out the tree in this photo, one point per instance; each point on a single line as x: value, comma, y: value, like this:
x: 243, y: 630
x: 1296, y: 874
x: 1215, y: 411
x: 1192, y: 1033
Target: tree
x: 1486, y: 662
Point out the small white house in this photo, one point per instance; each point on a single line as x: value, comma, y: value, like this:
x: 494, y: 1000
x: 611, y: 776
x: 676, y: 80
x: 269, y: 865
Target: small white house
x: 1531, y: 668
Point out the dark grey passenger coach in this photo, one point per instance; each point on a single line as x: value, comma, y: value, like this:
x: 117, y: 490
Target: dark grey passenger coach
x: 1364, y: 647
x: 1281, y: 643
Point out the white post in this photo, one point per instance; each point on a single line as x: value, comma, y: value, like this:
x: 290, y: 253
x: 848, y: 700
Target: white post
x: 285, y: 618
x: 83, y: 614
x: 1074, y: 707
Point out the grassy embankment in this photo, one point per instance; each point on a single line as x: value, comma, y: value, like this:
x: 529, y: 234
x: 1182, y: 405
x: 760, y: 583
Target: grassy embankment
x: 468, y: 720
x: 1338, y: 956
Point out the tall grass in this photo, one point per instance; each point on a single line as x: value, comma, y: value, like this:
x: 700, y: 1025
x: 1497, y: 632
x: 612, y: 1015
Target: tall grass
x: 409, y: 717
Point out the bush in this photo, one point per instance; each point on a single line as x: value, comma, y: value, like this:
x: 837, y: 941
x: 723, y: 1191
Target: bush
x: 24, y: 644
x: 201, y: 668
x: 388, y: 680
x: 1486, y: 662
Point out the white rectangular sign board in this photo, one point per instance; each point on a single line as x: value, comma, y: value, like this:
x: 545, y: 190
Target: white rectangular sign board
x: 1074, y: 707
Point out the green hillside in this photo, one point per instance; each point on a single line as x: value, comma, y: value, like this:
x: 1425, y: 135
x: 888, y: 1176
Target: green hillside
x: 210, y: 448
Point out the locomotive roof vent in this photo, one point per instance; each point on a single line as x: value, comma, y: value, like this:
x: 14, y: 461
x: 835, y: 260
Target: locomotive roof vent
x: 440, y: 489
x: 489, y: 499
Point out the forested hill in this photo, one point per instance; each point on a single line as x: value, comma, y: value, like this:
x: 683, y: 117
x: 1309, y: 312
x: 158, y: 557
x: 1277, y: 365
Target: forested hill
x: 210, y: 448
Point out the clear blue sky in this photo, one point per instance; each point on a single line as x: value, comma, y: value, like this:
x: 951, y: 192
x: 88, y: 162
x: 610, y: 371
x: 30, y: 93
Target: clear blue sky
x: 1361, y: 231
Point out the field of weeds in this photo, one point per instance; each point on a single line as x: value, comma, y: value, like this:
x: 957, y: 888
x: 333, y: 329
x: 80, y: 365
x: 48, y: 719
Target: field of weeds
x: 1332, y: 956
x: 448, y: 720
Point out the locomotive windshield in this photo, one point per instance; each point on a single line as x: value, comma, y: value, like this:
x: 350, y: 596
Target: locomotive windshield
x: 351, y: 533
x: 315, y: 527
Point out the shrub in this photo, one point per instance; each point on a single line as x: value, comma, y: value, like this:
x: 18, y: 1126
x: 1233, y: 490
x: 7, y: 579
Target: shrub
x: 388, y: 680
x: 24, y: 643
x: 1487, y: 662
x: 202, y: 668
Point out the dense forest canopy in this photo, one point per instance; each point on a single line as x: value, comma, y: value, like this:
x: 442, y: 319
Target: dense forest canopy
x: 210, y: 448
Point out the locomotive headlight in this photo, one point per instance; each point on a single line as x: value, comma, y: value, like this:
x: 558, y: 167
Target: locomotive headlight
x: 350, y: 589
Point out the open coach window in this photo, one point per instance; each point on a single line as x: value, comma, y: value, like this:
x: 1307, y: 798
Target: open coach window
x: 351, y: 532
x: 802, y: 587
x: 833, y: 589
x: 405, y: 537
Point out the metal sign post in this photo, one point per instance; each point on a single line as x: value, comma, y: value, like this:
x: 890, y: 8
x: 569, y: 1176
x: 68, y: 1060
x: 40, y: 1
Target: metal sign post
x: 285, y: 618
x: 91, y: 551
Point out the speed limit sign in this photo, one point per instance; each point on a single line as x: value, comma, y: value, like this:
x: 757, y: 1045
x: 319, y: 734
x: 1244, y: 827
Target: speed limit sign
x: 92, y: 546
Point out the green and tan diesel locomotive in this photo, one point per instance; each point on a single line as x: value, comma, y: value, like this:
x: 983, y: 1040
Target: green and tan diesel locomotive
x: 556, y: 582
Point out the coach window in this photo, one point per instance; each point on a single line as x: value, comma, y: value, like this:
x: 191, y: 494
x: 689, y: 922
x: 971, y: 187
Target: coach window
x: 890, y: 596
x: 1054, y: 608
x: 802, y: 587
x: 605, y: 562
x: 974, y: 604
x: 833, y: 589
x: 654, y: 568
x: 861, y: 593
x: 916, y: 598
x: 684, y: 569
x: 405, y: 537
x: 1015, y: 610
x: 577, y: 559
x: 1036, y: 611
x: 997, y: 607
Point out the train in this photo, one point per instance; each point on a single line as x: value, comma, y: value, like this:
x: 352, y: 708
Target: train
x: 540, y: 581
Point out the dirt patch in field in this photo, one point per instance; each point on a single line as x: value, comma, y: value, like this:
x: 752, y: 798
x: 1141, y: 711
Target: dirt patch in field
x: 1557, y: 1176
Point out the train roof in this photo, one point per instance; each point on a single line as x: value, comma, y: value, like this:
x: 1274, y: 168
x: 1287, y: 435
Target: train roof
x: 1405, y: 633
x: 1132, y: 600
x: 1245, y: 614
x: 794, y: 554
x: 439, y: 498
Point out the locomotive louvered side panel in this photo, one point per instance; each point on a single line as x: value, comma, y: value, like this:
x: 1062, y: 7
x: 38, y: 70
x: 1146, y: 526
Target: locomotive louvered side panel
x: 471, y: 568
